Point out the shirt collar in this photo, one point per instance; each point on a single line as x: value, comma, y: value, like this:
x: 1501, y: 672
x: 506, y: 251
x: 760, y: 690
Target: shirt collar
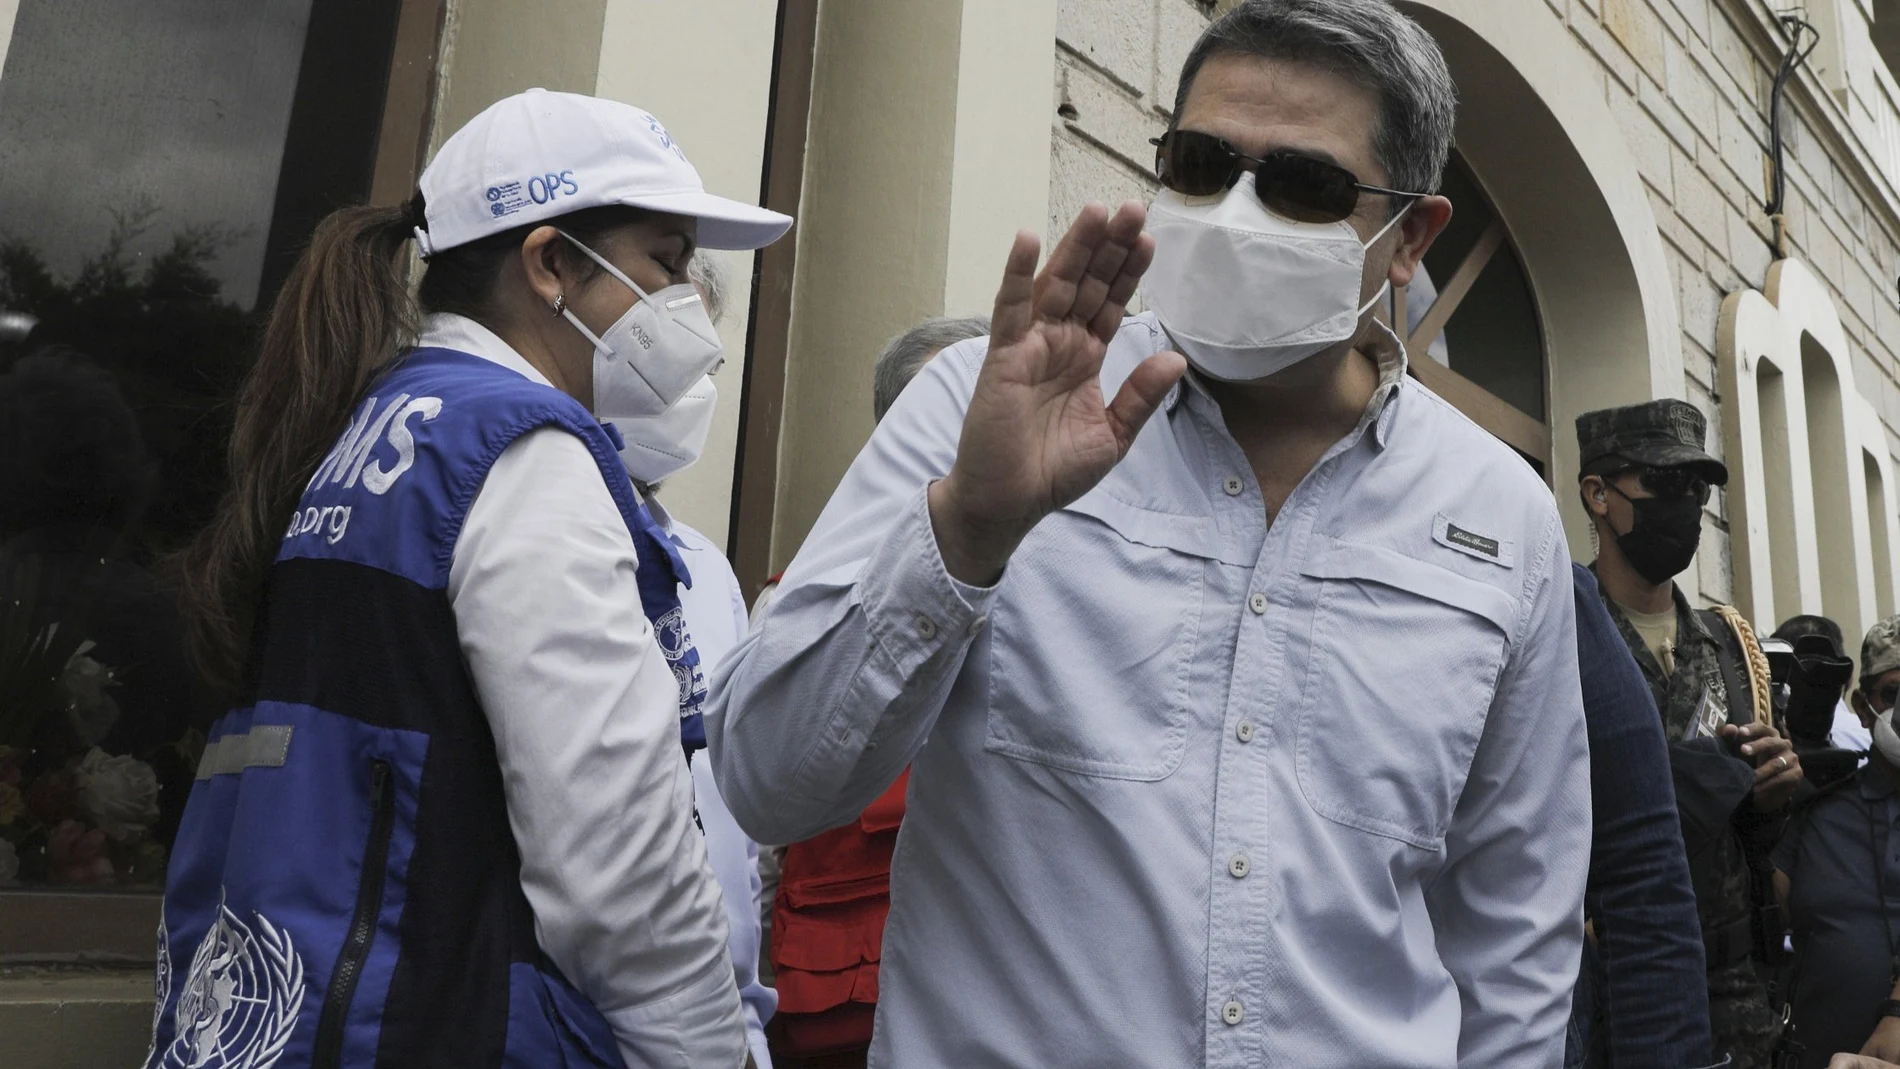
x: 446, y: 330
x: 1383, y: 346
x: 659, y: 514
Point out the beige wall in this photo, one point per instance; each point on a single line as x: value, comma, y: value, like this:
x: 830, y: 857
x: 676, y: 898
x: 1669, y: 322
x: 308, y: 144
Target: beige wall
x: 897, y: 158
x: 999, y: 180
x: 492, y: 48
x: 9, y: 12
x: 705, y: 69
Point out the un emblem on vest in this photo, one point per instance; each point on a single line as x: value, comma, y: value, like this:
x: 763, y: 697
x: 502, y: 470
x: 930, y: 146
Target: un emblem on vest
x: 239, y: 1003
x: 670, y: 630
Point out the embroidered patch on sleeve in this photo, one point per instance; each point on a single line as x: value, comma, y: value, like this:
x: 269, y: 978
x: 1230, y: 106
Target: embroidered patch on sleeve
x: 1473, y: 543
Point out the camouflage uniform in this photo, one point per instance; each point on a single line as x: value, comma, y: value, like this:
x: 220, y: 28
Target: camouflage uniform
x: 1743, y: 1022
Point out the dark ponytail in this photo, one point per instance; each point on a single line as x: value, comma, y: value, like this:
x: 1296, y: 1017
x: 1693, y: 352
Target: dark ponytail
x: 343, y: 315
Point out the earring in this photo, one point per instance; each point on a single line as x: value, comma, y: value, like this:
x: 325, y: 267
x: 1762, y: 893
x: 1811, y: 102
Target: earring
x: 560, y: 303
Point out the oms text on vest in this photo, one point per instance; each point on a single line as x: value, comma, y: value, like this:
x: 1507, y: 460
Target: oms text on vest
x: 350, y: 461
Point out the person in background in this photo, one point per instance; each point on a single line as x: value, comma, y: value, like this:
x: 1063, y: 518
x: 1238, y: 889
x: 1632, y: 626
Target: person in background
x: 1837, y: 873
x: 1644, y: 479
x: 1641, y: 998
x: 448, y: 820
x: 834, y: 888
x: 1846, y: 731
x: 655, y: 449
x: 1816, y: 716
x: 1161, y: 811
x: 76, y: 483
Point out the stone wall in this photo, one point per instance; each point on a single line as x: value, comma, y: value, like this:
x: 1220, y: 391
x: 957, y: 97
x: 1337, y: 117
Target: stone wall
x: 1116, y: 62
x: 1689, y: 82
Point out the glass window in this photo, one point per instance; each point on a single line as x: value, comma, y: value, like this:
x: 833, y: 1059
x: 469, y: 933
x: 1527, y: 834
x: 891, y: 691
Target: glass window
x: 1493, y: 338
x: 1471, y: 323
x: 161, y: 163
x: 1885, y: 32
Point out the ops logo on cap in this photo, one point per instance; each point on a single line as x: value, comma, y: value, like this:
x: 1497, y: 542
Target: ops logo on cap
x: 666, y: 139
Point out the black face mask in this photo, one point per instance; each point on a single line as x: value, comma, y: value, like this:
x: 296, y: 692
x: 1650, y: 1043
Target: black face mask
x: 1662, y: 539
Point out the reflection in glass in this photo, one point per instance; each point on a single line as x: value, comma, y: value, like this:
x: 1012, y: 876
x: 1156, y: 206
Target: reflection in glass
x: 141, y: 144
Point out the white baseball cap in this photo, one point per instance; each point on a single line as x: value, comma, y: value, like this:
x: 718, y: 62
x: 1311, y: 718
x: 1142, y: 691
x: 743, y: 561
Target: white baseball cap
x: 537, y: 155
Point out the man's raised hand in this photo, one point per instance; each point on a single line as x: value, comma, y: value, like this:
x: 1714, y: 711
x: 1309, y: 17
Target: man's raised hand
x: 1037, y: 434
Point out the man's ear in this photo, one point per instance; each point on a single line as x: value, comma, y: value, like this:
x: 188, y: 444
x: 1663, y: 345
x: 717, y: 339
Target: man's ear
x: 1862, y: 710
x: 1422, y: 224
x: 1596, y: 496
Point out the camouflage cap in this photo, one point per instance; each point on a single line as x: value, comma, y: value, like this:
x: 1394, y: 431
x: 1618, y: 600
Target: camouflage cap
x: 1658, y: 434
x: 1880, y: 651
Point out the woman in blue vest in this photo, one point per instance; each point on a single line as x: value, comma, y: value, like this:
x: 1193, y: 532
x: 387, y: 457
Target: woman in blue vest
x: 446, y: 821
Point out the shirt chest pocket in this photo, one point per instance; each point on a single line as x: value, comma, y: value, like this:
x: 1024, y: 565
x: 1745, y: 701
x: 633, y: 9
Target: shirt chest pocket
x: 1404, y: 661
x: 1090, y: 653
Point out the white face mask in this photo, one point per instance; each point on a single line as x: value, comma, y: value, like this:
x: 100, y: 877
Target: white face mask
x: 1247, y: 294
x: 654, y: 353
x: 658, y: 447
x: 1886, y: 739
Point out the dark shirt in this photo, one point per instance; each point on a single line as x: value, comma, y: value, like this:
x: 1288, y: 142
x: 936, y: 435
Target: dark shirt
x: 1684, y: 698
x: 1837, y: 856
x: 1653, y: 998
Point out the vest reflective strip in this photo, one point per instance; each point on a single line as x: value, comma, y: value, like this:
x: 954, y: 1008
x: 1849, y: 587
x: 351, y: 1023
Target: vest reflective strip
x: 265, y: 746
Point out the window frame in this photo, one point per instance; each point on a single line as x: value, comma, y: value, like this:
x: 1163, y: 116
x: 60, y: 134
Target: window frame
x: 1516, y: 428
x: 73, y: 925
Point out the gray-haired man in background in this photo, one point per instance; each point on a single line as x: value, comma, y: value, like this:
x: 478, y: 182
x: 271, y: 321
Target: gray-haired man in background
x: 905, y: 355
x: 1253, y: 737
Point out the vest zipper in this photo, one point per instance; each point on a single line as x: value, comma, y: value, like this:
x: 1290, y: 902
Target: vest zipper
x: 328, y: 1048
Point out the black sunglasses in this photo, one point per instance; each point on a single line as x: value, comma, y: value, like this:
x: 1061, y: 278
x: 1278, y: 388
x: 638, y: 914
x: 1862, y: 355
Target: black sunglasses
x: 1298, y: 187
x: 1887, y: 695
x: 1669, y: 482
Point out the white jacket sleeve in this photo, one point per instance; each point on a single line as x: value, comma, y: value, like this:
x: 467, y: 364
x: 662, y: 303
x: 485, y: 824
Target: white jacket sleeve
x: 585, y: 714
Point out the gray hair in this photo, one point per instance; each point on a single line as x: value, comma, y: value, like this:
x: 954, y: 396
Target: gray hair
x: 1367, y: 42
x: 905, y: 355
x: 709, y: 276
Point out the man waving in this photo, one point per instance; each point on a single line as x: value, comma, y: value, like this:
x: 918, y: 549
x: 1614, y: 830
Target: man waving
x: 1242, y: 700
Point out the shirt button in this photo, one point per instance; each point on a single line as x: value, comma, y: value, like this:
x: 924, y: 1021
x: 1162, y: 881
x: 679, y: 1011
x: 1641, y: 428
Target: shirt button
x: 1258, y: 603
x: 926, y: 627
x: 976, y: 625
x: 1238, y: 866
x: 1232, y: 1012
x: 1232, y: 485
x: 1244, y: 731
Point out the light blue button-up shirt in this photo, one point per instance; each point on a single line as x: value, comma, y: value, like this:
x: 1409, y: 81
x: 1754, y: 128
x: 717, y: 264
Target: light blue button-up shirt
x: 1189, y: 789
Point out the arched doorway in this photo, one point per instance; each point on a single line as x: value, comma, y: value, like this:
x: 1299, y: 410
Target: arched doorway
x: 1552, y: 168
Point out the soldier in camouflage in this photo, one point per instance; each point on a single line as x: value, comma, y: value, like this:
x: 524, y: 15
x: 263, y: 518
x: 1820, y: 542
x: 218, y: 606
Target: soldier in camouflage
x: 1644, y: 478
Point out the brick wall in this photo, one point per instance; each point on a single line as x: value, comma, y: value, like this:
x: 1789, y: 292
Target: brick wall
x: 1691, y: 95
x: 1116, y: 62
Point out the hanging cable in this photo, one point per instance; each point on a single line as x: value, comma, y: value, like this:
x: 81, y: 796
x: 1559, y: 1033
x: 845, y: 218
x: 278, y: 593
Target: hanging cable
x: 1791, y: 61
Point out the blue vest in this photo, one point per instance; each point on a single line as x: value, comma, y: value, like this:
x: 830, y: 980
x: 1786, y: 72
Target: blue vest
x: 345, y: 889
